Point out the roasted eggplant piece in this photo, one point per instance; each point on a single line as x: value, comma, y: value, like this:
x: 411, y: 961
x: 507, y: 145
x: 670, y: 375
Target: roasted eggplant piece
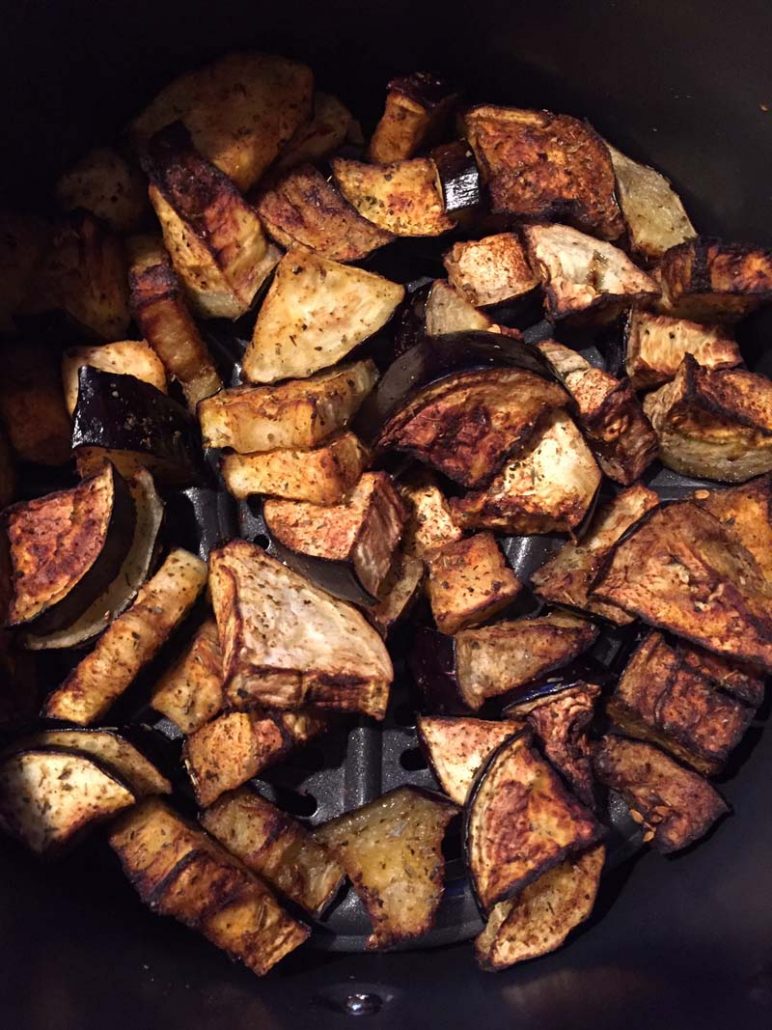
x: 240, y: 111
x: 538, y: 920
x: 178, y: 871
x: 491, y: 270
x: 745, y: 512
x: 469, y: 582
x: 458, y: 747
x: 653, y: 212
x: 417, y: 107
x: 391, y: 850
x: 711, y: 281
x: 347, y: 548
x: 714, y: 423
x: 330, y: 126
x: 459, y: 177
x: 447, y: 311
x: 66, y: 548
x: 657, y: 344
x: 298, y: 414
x: 105, y: 184
x: 430, y: 525
x: 741, y: 681
x: 402, y: 198
x: 398, y: 593
x: 161, y: 311
x: 286, y: 642
x: 581, y: 274
x: 302, y: 208
x: 668, y: 701
x: 128, y: 357
x: 520, y: 822
x: 130, y: 641
x: 544, y: 166
x: 135, y: 426
x: 190, y: 692
x: 679, y: 570
x: 566, y: 579
x: 674, y: 806
x: 32, y: 406
x: 314, y: 313
x: 277, y: 848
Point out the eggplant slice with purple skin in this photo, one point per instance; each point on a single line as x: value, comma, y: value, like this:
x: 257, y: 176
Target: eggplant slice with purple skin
x: 416, y: 110
x: 459, y: 177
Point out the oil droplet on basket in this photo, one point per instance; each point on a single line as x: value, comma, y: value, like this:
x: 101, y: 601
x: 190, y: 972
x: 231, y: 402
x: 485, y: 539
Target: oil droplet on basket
x: 362, y: 1004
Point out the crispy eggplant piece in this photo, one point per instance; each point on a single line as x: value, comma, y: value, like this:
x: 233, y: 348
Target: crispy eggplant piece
x: 65, y: 548
x: 417, y: 107
x: 711, y: 281
x: 548, y: 488
x: 714, y: 423
x: 314, y: 313
x: 241, y: 110
x: 679, y: 570
x: 402, y: 198
x: 458, y: 747
x: 566, y: 579
x: 177, y: 870
x: 469, y: 582
x: 331, y: 124
x: 491, y: 270
x: 276, y: 847
x: 105, y: 184
x: 744, y: 682
x: 459, y: 177
x: 359, y: 537
x: 298, y: 414
x: 130, y: 641
x: 447, y: 311
x: 653, y: 211
x: 32, y: 406
x: 190, y: 692
x: 430, y: 525
x: 520, y: 822
x: 538, y: 920
x: 127, y: 357
x: 544, y: 166
x: 391, y: 850
x: 286, y: 642
x: 675, y: 806
x: 581, y: 274
x: 161, y: 311
x: 303, y: 208
x: 23, y: 240
x: 657, y: 344
x: 398, y: 594
x: 745, y: 512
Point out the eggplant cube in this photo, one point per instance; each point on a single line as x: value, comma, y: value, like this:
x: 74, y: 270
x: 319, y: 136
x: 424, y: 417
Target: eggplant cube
x: 330, y: 125
x: 458, y: 747
x: 491, y: 270
x: 417, y: 107
x: 430, y: 525
x: 190, y: 692
x: 448, y: 311
x: 105, y: 184
x: 657, y: 344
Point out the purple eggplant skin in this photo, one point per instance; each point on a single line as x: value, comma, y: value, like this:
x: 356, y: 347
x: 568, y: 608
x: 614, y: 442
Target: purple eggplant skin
x: 432, y: 664
x: 582, y: 670
x: 459, y: 177
x: 426, y: 88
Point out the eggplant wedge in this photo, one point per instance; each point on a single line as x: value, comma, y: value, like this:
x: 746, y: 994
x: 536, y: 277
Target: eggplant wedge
x: 544, y: 166
x: 653, y: 211
x: 417, y: 107
x: 447, y: 311
x: 298, y: 414
x: 179, y: 871
x: 315, y: 312
x: 458, y: 747
x: 711, y: 281
x: 105, y: 184
x: 402, y: 198
x: 400, y: 591
x: 277, y: 848
x: 657, y: 344
x: 714, y: 423
x: 287, y: 642
x: 330, y: 126
x: 127, y: 357
x: 323, y: 475
x: 130, y: 642
x: 65, y: 548
x: 429, y: 526
x: 491, y: 270
x: 745, y: 512
x: 135, y: 426
x: 678, y: 570
x: 540, y: 918
x: 358, y: 539
x: 459, y: 177
x: 662, y: 698
x: 49, y: 796
x: 567, y: 578
x: 520, y: 822
x: 302, y: 208
x: 190, y: 692
x: 32, y: 407
x: 470, y: 582
x: 161, y: 311
x: 581, y: 274
x: 391, y: 850
x: 610, y: 414
x: 674, y: 806
x: 241, y: 110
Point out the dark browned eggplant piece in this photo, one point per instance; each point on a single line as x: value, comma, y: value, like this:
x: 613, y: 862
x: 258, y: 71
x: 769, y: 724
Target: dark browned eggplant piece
x: 135, y: 426
x: 489, y: 271
x: 458, y: 747
x: 417, y: 107
x: 459, y: 177
x: 745, y: 512
x: 656, y: 345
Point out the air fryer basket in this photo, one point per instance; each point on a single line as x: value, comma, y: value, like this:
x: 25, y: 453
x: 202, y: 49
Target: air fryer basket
x: 686, y: 941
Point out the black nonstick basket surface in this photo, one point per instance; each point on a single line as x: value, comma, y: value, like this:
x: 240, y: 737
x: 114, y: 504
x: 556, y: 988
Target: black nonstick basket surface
x: 686, y: 941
